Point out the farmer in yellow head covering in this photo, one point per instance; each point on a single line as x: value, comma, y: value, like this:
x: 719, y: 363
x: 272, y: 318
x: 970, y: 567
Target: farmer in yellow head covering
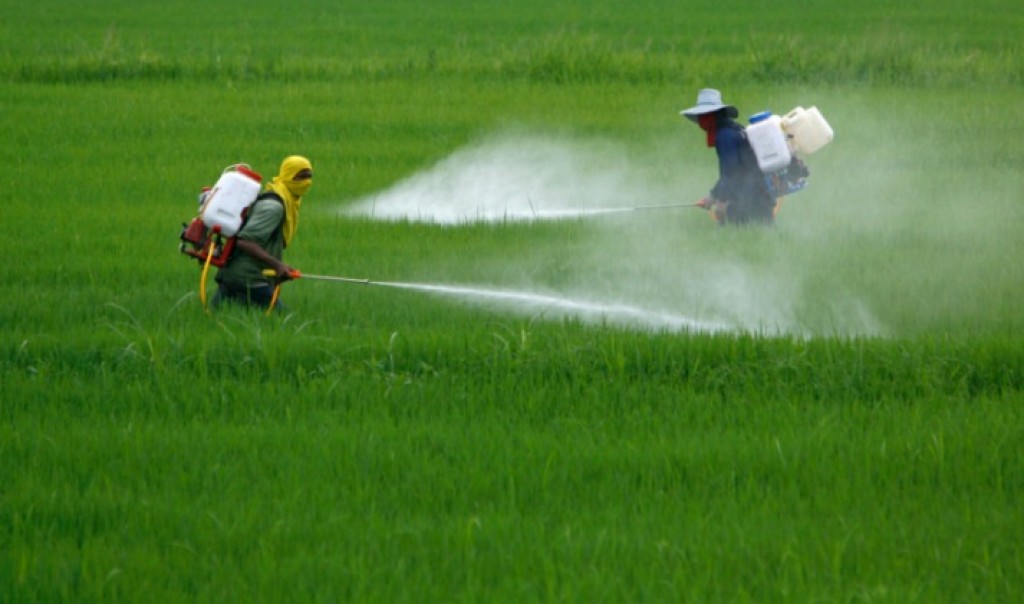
x: 291, y: 184
x: 269, y: 228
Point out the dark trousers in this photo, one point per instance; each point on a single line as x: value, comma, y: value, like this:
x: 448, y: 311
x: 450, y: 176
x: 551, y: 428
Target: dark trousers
x: 259, y: 296
x: 760, y: 211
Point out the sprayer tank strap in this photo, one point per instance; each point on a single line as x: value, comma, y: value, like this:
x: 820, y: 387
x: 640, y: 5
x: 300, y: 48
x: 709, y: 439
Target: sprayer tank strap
x: 262, y: 227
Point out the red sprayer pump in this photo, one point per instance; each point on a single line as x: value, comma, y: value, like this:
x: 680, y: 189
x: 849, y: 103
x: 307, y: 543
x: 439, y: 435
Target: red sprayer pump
x: 210, y: 237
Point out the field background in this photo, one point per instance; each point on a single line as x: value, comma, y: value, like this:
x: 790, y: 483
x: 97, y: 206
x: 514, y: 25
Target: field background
x: 854, y: 435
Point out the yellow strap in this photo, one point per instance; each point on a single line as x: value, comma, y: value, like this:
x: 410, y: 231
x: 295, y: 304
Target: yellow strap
x: 206, y: 271
x: 269, y: 272
x: 273, y: 299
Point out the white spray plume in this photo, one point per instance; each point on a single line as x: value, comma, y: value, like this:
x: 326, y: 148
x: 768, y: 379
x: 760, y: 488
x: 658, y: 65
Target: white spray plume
x: 663, y: 270
x: 555, y: 306
x: 517, y: 178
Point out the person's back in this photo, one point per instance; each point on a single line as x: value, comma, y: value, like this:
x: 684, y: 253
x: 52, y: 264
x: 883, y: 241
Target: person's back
x: 741, y: 183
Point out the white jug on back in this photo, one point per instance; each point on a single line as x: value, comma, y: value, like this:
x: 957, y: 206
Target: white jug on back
x: 235, y: 190
x: 768, y: 141
x: 807, y: 130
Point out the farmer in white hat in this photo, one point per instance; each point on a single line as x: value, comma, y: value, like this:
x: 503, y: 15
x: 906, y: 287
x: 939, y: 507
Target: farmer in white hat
x: 740, y: 196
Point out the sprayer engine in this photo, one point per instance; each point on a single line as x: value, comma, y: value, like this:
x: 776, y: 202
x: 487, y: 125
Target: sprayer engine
x: 201, y: 242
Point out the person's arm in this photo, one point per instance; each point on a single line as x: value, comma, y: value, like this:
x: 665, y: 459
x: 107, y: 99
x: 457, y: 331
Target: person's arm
x: 264, y: 222
x: 282, y: 270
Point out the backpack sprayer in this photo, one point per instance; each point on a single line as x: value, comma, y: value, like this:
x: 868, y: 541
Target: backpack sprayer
x: 779, y: 143
x: 210, y: 237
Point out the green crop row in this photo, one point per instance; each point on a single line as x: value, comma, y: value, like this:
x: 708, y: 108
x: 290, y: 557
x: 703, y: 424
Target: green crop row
x: 951, y: 43
x: 569, y: 59
x: 561, y: 483
x: 516, y: 358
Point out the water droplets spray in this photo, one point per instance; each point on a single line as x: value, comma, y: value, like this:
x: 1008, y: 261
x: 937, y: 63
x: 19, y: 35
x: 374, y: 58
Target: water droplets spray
x: 552, y: 305
x: 668, y: 269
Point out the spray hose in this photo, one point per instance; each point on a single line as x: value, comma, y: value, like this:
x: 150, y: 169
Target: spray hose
x: 273, y: 299
x: 203, y: 275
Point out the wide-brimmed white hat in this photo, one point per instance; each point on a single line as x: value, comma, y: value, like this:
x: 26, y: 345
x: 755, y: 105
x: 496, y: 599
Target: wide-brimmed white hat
x: 709, y: 100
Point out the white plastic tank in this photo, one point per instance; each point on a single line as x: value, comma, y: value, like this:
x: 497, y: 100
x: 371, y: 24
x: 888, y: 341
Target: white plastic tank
x: 236, y: 188
x: 807, y: 130
x: 768, y: 141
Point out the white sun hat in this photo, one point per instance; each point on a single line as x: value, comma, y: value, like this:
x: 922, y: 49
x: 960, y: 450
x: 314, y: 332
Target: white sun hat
x: 709, y: 100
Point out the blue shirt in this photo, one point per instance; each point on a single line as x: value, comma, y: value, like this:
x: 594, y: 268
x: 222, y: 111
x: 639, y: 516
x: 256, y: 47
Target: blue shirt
x: 740, y: 181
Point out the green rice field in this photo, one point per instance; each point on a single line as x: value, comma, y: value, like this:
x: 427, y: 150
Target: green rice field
x: 558, y: 384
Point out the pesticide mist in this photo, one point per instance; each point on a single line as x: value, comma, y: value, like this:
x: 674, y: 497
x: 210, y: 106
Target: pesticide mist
x: 644, y: 261
x: 517, y: 178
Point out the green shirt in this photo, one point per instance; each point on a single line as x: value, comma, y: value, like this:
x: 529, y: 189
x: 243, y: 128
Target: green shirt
x: 262, y: 227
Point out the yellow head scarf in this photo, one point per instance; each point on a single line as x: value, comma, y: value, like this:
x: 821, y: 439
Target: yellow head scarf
x: 291, y: 191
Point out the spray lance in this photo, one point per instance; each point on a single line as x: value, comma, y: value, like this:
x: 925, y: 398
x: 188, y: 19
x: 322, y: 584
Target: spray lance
x: 272, y: 274
x: 269, y: 272
x: 580, y: 307
x: 603, y: 211
x: 660, y: 206
x: 705, y: 203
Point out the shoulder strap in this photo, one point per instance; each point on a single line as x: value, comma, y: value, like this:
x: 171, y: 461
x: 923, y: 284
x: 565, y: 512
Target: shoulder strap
x: 747, y: 155
x: 269, y: 195
x: 274, y: 196
x: 248, y: 211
